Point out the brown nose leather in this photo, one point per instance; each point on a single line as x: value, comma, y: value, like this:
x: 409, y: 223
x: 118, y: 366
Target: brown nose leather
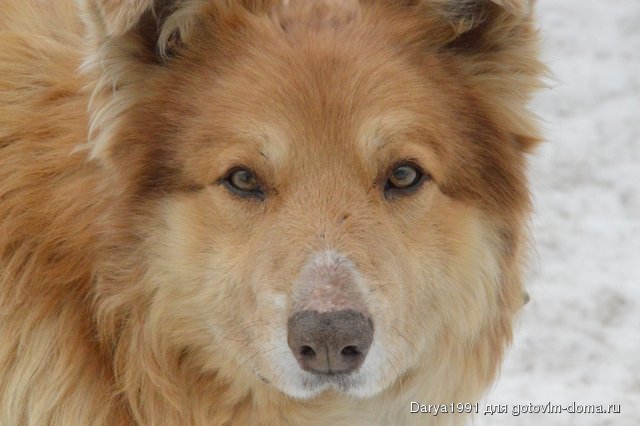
x: 330, y: 342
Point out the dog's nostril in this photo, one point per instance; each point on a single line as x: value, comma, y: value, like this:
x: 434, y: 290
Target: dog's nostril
x: 307, y: 352
x: 350, y: 351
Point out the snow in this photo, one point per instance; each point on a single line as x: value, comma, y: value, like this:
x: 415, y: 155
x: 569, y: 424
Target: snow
x: 578, y: 340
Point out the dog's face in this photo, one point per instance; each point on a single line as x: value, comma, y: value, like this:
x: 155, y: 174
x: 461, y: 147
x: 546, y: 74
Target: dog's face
x: 330, y: 201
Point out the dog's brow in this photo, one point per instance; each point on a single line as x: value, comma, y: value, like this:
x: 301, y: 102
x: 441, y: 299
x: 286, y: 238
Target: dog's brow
x: 270, y: 140
x: 376, y: 132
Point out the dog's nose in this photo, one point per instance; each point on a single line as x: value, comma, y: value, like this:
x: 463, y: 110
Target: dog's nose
x: 330, y: 342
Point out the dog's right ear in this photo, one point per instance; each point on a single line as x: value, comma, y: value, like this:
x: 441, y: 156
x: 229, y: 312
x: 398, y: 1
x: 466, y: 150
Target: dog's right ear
x: 129, y: 42
x: 148, y: 29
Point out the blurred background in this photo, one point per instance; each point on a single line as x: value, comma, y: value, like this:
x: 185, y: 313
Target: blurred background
x: 578, y: 340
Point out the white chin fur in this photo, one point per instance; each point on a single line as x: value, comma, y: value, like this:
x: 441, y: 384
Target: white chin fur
x: 303, y: 385
x: 368, y: 381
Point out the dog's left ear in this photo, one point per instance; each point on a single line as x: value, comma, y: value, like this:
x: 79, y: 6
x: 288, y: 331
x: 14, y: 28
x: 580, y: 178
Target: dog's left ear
x: 494, y: 44
x: 483, y: 26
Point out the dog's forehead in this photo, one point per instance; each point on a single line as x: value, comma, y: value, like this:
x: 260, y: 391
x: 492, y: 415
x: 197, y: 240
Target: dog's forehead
x: 315, y: 96
x: 324, y: 107
x: 319, y: 10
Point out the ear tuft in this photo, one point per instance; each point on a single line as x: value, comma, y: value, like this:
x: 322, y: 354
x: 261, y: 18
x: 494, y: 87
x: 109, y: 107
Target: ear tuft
x: 481, y: 16
x: 114, y: 18
x: 162, y: 25
x: 177, y: 25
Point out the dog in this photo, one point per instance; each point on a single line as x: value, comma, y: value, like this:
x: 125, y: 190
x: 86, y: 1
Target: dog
x: 267, y: 212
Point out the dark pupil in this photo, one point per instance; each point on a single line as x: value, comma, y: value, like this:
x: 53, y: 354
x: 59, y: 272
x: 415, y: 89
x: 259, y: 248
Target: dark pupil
x: 242, y: 179
x: 404, y: 176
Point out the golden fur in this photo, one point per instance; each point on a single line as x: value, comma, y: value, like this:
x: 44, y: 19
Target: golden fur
x: 135, y: 289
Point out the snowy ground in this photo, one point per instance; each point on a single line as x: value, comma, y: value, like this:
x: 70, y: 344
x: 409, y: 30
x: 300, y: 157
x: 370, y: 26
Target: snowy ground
x: 579, y: 337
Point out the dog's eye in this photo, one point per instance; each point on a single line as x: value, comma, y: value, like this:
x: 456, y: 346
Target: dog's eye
x: 242, y: 181
x: 404, y: 178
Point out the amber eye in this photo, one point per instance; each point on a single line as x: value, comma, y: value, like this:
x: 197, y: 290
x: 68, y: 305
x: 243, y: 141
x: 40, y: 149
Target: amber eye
x: 404, y: 178
x: 242, y: 181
